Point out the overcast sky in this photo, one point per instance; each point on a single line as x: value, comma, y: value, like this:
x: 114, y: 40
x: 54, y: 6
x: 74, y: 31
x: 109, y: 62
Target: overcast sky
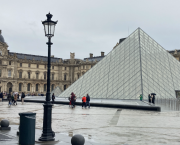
x: 87, y: 26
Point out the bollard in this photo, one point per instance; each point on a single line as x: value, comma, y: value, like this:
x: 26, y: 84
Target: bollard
x: 77, y: 140
x: 5, y: 125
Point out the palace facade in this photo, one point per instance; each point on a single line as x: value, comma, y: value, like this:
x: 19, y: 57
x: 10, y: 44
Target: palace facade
x: 28, y: 73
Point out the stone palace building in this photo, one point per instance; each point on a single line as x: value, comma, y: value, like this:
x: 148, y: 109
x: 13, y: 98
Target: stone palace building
x: 28, y: 73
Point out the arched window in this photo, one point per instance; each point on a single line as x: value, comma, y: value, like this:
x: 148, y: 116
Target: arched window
x: 37, y: 87
x: 64, y: 87
x: 37, y: 75
x: 52, y: 76
x: 65, y: 77
x: 20, y: 86
x: 45, y: 86
x: 29, y: 75
x: 28, y: 87
x: 44, y: 76
x: 20, y: 74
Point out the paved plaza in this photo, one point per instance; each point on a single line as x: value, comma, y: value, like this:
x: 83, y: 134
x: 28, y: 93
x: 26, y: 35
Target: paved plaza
x: 99, y: 126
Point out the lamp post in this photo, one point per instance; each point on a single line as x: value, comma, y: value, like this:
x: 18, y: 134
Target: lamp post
x: 47, y: 133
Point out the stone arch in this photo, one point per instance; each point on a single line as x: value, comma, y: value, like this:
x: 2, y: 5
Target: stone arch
x: 29, y: 87
x: 37, y: 87
x: 9, y: 87
x: 20, y: 86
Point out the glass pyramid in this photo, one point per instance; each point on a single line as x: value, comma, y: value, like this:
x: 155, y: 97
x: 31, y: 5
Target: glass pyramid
x: 138, y: 65
x: 57, y: 91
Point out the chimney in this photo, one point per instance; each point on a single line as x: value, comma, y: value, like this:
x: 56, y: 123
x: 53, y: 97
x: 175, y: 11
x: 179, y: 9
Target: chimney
x: 102, y: 53
x: 121, y: 40
x: 52, y: 55
x: 91, y: 55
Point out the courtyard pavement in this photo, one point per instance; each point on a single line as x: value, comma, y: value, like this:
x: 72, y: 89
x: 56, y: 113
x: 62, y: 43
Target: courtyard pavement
x: 99, y: 126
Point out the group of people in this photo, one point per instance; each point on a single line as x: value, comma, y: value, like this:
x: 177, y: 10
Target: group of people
x: 85, y: 100
x: 13, y: 97
x: 151, y: 98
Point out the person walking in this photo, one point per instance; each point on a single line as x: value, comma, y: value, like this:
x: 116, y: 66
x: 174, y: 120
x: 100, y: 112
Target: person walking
x: 22, y: 97
x: 88, y: 100
x: 83, y: 101
x: 12, y: 98
x: 9, y: 98
x: 72, y: 99
x: 15, y: 99
x: 53, y: 98
x: 149, y: 97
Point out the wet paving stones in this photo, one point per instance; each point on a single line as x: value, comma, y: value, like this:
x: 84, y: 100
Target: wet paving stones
x: 102, y: 126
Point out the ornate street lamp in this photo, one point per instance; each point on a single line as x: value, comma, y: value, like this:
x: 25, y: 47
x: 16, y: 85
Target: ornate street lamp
x: 47, y: 133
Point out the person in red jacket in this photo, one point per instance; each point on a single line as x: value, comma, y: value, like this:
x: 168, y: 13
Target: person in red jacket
x: 83, y: 101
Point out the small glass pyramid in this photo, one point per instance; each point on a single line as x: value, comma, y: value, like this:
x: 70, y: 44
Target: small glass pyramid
x: 138, y: 65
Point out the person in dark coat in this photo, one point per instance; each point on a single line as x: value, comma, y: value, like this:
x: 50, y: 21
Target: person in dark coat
x: 153, y: 99
x: 149, y: 97
x: 53, y: 97
x: 9, y: 99
x: 72, y: 99
x: 88, y: 100
x: 22, y: 97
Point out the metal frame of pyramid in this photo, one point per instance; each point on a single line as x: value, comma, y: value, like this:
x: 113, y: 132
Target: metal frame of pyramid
x: 138, y: 65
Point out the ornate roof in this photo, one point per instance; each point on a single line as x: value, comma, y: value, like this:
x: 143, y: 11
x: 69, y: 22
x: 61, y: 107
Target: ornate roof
x: 1, y: 38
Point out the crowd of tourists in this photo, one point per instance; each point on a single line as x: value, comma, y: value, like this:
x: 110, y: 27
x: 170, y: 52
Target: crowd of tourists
x: 85, y: 100
x: 12, y: 98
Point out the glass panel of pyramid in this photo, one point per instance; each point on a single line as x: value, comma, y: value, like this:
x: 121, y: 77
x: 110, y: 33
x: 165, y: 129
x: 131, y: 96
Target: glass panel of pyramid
x: 138, y: 65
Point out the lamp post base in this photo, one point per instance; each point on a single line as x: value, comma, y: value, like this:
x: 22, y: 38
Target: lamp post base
x: 47, y: 133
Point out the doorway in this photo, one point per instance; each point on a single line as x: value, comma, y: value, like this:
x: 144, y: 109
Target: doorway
x: 9, y: 87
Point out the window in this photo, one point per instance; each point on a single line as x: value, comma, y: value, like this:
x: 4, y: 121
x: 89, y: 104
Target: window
x: 78, y: 76
x: 64, y: 87
x: 37, y: 65
x: 52, y: 76
x: 64, y: 68
x: 37, y: 75
x: 9, y: 62
x: 0, y: 73
x: 20, y: 86
x: 52, y: 87
x: 28, y: 87
x: 29, y: 75
x: 44, y: 66
x: 52, y: 67
x: 44, y: 76
x: 65, y: 77
x: 45, y: 87
x: 20, y: 74
x: 36, y: 87
x: 20, y: 64
x: 0, y: 62
x: 29, y: 65
x: 9, y: 73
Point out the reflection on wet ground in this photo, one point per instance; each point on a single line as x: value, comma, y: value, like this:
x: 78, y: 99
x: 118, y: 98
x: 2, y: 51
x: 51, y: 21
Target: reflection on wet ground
x: 167, y: 104
x: 108, y: 126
